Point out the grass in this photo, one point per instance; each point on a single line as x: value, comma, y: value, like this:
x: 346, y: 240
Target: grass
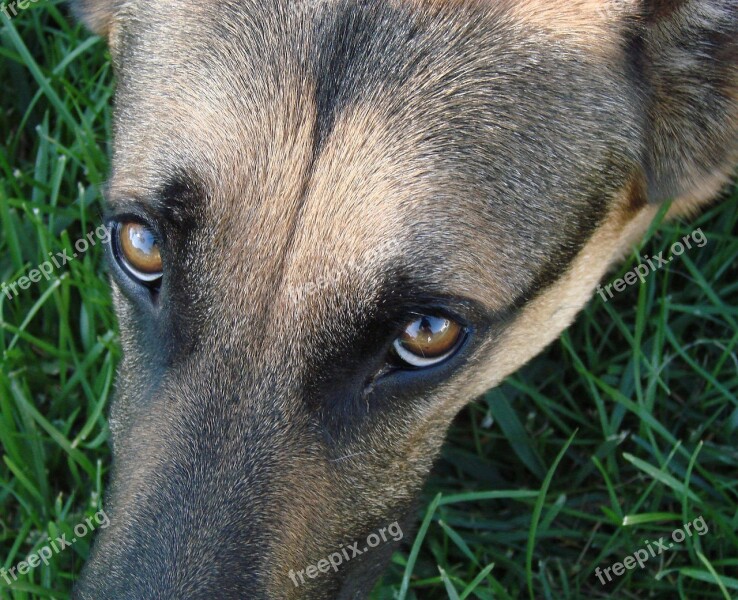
x: 620, y: 433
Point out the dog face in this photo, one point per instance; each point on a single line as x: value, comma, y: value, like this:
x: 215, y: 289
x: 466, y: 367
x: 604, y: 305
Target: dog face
x: 335, y: 223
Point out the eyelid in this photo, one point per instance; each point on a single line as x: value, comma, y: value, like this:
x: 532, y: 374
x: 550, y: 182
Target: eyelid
x: 137, y: 213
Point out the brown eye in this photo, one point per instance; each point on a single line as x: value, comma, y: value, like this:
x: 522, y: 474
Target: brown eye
x: 138, y: 251
x: 429, y: 340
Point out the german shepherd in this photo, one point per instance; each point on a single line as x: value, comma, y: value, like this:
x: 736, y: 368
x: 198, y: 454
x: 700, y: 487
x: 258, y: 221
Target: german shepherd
x: 336, y: 222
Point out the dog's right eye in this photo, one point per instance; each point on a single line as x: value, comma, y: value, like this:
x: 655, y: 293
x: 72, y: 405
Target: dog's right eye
x: 428, y: 340
x: 137, y: 251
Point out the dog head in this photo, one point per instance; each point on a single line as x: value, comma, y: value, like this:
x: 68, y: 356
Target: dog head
x: 338, y: 221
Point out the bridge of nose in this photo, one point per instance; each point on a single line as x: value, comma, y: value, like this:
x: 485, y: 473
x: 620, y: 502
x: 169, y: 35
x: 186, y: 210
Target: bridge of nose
x: 203, y: 513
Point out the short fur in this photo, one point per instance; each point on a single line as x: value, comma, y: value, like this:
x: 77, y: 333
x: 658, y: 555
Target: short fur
x: 489, y: 158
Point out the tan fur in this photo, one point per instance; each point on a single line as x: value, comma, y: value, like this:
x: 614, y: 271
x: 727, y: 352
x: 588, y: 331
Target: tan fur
x: 704, y: 191
x: 543, y: 319
x: 358, y: 234
x: 593, y: 23
x: 322, y: 177
x: 547, y: 316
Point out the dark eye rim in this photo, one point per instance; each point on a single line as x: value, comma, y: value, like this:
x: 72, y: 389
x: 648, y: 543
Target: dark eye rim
x: 143, y: 279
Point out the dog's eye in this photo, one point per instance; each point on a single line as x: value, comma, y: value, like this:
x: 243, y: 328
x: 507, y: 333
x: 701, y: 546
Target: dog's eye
x: 137, y: 250
x: 428, y: 341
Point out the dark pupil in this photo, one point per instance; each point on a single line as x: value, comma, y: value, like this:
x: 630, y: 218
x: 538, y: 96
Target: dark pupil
x: 430, y: 326
x: 430, y: 336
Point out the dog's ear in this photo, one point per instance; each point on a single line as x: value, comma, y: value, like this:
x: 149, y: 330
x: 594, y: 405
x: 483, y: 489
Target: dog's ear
x: 97, y: 15
x: 686, y: 54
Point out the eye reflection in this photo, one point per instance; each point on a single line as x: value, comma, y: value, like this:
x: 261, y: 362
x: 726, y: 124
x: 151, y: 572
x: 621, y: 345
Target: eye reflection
x: 138, y: 252
x: 428, y: 340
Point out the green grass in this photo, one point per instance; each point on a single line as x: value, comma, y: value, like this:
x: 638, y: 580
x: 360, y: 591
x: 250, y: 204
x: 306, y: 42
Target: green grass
x: 623, y: 430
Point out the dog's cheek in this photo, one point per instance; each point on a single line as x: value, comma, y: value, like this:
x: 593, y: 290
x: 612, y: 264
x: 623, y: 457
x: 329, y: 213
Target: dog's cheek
x: 137, y: 372
x: 541, y: 321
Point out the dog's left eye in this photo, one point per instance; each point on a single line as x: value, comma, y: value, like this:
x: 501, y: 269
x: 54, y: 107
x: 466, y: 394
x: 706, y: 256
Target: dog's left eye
x: 428, y: 341
x: 137, y: 250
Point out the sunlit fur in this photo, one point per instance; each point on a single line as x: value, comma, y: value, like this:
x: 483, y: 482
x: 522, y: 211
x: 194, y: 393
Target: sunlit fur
x: 495, y: 158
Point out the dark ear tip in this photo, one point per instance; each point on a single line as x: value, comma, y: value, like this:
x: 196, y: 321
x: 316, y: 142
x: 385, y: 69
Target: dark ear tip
x: 659, y: 187
x: 659, y: 192
x: 97, y: 15
x: 659, y: 10
x: 687, y: 62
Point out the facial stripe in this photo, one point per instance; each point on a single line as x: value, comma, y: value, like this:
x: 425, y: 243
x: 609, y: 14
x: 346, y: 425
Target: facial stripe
x: 356, y: 46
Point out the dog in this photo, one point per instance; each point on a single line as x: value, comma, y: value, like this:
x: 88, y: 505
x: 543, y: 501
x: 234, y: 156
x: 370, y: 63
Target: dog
x: 335, y: 223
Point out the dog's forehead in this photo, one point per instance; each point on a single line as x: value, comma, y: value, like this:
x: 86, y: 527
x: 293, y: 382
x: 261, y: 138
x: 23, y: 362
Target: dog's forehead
x: 468, y: 140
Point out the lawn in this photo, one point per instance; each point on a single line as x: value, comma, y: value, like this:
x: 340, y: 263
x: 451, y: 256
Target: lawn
x: 607, y: 446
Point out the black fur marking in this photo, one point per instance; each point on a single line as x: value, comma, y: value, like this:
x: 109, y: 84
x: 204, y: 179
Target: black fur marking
x: 356, y: 58
x: 180, y: 199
